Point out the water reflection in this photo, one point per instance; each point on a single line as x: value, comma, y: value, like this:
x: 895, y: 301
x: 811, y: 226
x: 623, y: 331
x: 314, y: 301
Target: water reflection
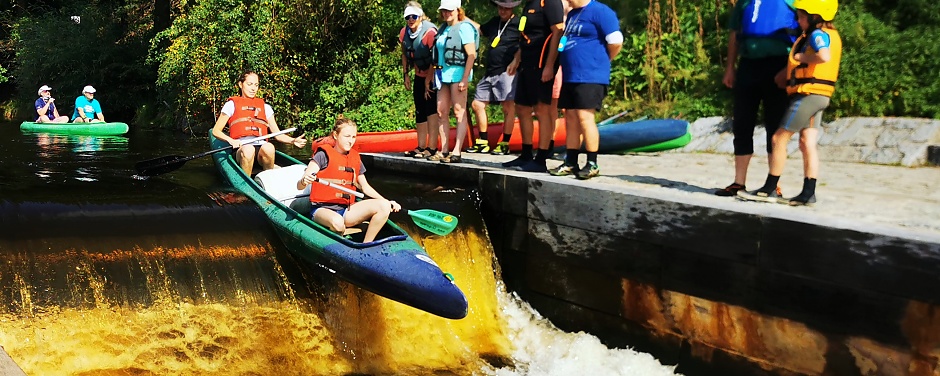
x: 50, y: 143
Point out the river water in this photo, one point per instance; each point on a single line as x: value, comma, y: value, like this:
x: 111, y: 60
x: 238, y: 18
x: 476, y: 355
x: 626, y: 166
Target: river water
x: 103, y: 273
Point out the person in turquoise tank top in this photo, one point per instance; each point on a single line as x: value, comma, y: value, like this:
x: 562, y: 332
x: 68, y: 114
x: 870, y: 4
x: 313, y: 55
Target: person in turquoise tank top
x: 456, y: 52
x: 87, y: 108
x: 760, y: 37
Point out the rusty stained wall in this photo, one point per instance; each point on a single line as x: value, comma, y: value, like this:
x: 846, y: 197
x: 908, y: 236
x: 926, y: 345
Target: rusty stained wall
x: 776, y: 344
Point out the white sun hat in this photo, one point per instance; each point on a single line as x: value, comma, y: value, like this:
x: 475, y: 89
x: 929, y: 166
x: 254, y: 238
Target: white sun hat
x: 449, y: 4
x: 88, y: 89
x: 413, y: 11
x: 44, y: 88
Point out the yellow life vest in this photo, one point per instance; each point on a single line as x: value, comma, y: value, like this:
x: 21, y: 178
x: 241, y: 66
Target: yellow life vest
x: 817, y: 79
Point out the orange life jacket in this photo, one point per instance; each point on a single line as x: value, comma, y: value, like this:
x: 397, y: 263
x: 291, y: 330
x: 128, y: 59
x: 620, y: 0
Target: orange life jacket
x: 817, y: 79
x: 342, y: 169
x: 249, y: 119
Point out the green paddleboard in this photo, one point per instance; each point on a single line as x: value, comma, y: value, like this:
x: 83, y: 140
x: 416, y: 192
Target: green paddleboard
x: 94, y: 129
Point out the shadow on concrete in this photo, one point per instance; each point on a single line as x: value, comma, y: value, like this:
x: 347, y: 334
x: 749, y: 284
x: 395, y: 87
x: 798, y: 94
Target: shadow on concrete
x: 666, y: 183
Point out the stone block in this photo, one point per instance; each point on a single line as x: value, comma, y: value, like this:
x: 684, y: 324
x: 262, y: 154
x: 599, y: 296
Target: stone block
x: 912, y: 154
x: 841, y: 154
x: 892, y: 137
x: 884, y: 156
x: 927, y: 132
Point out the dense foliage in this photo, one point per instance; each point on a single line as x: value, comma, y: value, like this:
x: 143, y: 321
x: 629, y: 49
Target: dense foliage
x: 174, y: 62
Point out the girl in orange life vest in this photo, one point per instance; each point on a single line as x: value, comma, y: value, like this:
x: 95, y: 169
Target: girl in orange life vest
x: 809, y: 78
x: 248, y: 116
x: 340, y: 164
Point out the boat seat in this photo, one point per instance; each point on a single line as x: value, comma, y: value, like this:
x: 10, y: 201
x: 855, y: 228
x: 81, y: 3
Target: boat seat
x: 281, y: 183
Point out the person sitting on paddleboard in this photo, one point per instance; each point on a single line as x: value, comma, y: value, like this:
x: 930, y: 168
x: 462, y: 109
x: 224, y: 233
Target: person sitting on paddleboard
x: 247, y: 116
x: 337, y: 162
x: 45, y: 108
x: 87, y: 108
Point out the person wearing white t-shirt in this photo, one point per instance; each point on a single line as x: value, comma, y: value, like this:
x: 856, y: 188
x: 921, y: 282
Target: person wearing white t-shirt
x: 247, y: 116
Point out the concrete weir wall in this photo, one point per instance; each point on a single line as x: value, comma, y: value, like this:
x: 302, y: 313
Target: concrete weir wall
x: 717, y: 290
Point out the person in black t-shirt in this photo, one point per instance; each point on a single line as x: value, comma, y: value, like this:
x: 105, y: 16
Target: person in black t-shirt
x: 541, y: 26
x: 497, y: 86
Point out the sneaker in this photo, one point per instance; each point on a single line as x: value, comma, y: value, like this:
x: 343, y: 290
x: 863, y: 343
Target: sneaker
x: 564, y: 170
x: 532, y: 166
x: 413, y: 153
x: 589, y: 170
x: 760, y: 195
x: 481, y: 146
x: 436, y: 157
x: 451, y: 158
x: 730, y: 190
x: 501, y: 148
x: 799, y: 200
x: 518, y: 162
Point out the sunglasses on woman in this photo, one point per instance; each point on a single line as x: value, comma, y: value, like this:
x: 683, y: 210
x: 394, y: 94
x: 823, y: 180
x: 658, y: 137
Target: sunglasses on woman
x: 411, y: 17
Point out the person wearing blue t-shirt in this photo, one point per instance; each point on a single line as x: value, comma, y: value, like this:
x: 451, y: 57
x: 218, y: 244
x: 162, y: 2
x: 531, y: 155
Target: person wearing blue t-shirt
x: 87, y: 108
x: 456, y: 51
x: 591, y: 40
x: 45, y: 108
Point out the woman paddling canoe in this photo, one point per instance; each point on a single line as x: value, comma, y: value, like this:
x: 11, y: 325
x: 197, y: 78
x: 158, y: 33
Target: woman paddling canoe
x: 247, y: 116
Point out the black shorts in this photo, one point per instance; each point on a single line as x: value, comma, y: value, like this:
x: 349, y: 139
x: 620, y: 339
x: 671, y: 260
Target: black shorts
x: 530, y: 90
x: 577, y: 96
x: 424, y: 107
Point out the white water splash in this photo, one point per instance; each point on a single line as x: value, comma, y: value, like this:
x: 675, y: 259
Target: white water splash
x: 544, y: 350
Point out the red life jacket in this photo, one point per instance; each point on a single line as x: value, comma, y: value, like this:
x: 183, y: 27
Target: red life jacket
x: 249, y: 119
x: 342, y: 169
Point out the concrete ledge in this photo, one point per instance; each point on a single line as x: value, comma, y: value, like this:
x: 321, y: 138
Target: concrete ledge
x: 7, y: 366
x: 747, y: 289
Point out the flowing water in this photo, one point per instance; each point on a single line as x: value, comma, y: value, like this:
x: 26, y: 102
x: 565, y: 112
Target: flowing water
x: 104, y: 273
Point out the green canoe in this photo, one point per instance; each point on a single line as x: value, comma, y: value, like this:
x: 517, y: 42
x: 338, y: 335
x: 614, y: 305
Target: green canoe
x: 394, y: 265
x: 93, y: 129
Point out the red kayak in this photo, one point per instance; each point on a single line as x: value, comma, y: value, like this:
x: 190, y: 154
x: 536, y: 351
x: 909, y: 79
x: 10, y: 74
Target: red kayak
x: 402, y: 141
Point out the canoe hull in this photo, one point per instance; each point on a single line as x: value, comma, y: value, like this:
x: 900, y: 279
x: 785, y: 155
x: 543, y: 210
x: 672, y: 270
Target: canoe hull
x: 393, y: 266
x: 402, y: 141
x: 630, y: 137
x: 92, y: 129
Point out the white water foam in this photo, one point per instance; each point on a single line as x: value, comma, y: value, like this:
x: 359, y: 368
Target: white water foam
x: 544, y: 350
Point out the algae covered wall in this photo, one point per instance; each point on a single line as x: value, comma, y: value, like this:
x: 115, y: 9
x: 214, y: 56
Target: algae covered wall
x: 718, y: 290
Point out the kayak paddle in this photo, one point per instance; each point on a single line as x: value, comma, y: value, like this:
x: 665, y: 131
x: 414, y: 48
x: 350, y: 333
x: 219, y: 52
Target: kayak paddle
x: 162, y: 165
x: 438, y: 223
x: 612, y: 118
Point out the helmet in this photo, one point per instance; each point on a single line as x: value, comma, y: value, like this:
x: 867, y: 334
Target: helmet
x: 824, y: 8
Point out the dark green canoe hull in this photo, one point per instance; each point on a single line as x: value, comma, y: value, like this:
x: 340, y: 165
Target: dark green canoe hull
x: 92, y: 129
x: 393, y: 266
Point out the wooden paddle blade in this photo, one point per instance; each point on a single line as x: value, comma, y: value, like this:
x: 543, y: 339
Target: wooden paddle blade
x: 434, y: 221
x: 160, y: 165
